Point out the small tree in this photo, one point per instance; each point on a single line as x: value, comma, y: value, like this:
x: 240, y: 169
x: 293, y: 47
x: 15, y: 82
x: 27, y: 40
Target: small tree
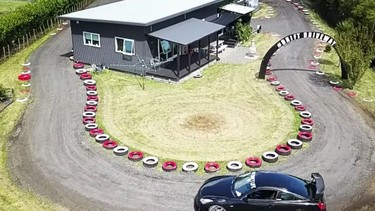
x: 243, y: 31
x: 3, y: 93
x: 355, y: 45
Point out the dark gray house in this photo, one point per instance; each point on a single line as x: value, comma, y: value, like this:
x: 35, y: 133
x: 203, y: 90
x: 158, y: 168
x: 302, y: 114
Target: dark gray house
x: 164, y: 38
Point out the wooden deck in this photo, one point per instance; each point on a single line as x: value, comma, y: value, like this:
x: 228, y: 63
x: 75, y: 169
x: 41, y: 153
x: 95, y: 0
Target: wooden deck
x: 168, y: 70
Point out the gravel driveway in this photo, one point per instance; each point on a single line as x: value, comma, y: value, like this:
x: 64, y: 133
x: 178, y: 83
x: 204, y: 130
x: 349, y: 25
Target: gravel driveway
x: 53, y: 155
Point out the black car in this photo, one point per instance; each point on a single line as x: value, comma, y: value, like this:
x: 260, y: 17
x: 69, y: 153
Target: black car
x: 261, y: 190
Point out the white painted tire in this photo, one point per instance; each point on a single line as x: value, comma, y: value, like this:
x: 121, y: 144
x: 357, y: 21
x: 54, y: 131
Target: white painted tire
x: 91, y: 93
x: 234, y: 165
x: 190, y: 167
x: 295, y: 103
x: 306, y: 128
x: 88, y: 114
x: 80, y: 71
x: 334, y: 82
x: 150, y: 161
x: 275, y: 83
x: 91, y: 103
x: 295, y: 143
x: 319, y: 72
x: 91, y: 126
x: 305, y: 114
x: 89, y: 82
x: 26, y: 64
x: 22, y: 99
x: 120, y: 150
x: 367, y: 100
x: 71, y: 58
x: 101, y: 138
x: 65, y: 23
x: 315, y: 63
x: 270, y: 157
x: 283, y: 93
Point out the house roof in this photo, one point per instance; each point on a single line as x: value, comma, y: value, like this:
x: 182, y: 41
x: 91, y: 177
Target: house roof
x: 138, y: 12
x: 187, y: 31
x: 226, y: 18
x: 236, y: 8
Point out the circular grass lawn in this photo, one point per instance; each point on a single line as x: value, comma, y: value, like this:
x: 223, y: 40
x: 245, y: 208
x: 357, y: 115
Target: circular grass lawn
x: 226, y: 115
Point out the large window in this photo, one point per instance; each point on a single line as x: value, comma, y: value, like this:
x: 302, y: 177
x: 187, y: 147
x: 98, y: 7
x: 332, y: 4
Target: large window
x: 91, y: 39
x: 125, y: 46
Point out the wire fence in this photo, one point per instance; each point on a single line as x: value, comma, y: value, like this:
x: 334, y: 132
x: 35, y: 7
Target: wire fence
x: 27, y: 39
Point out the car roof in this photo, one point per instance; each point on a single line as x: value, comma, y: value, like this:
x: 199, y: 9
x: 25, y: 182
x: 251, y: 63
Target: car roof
x: 280, y: 180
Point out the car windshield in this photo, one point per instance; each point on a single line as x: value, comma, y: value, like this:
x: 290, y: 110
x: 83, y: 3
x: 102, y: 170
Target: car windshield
x: 244, y: 183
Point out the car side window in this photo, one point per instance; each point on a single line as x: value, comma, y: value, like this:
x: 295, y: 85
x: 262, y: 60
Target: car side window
x: 286, y: 196
x: 262, y: 194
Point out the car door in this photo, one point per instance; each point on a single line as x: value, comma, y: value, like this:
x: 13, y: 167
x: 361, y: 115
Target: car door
x: 259, y: 200
x: 288, y: 202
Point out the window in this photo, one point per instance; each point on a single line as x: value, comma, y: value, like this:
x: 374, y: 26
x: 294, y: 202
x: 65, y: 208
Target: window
x: 91, y: 39
x: 285, y: 196
x: 125, y: 46
x: 262, y: 194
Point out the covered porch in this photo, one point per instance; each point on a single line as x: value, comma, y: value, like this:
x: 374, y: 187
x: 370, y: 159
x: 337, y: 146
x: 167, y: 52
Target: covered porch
x: 183, y: 48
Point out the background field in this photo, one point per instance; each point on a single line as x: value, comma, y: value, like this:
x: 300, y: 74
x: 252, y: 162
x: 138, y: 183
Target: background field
x: 9, y: 5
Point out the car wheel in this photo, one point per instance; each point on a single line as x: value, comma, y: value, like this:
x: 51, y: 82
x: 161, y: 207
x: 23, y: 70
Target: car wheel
x: 216, y: 208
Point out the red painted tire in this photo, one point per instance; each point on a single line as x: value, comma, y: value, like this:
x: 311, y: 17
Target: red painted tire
x: 272, y: 78
x: 211, y: 167
x: 289, y: 97
x: 78, y: 65
x: 169, y: 166
x: 283, y: 149
x: 85, y: 76
x: 91, y: 88
x: 87, y: 120
x: 307, y: 122
x: 268, y: 72
x: 90, y: 108
x: 95, y: 132
x: 352, y: 94
x: 280, y: 88
x: 253, y: 162
x: 338, y: 88
x: 300, y: 108
x: 304, y: 136
x: 312, y: 67
x: 135, y: 156
x: 92, y: 98
x: 109, y: 144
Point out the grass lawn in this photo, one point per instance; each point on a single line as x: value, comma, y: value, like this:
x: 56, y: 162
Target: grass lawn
x: 264, y: 11
x: 11, y: 197
x: 228, y: 114
x: 365, y: 88
x: 9, y: 5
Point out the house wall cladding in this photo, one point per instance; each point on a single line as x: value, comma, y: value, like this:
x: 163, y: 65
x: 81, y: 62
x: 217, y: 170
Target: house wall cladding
x: 106, y: 54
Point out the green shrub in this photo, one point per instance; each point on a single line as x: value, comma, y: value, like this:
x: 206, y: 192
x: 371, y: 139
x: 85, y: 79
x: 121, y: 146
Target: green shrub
x: 328, y: 48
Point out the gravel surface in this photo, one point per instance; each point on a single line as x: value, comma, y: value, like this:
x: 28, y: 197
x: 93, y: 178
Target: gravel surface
x: 53, y: 155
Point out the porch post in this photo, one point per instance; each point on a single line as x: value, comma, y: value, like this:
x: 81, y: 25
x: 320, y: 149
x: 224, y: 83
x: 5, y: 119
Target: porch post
x: 217, y: 46
x: 178, y: 61
x: 189, y: 58
x: 208, y: 48
x: 199, y: 53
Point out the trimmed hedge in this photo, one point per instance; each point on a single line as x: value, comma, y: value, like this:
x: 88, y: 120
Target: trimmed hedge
x: 31, y: 16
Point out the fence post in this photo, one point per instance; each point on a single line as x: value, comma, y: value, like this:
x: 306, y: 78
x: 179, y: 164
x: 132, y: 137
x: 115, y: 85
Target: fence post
x: 27, y: 40
x: 19, y: 44
x: 23, y: 41
x: 8, y: 51
x: 5, y: 55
